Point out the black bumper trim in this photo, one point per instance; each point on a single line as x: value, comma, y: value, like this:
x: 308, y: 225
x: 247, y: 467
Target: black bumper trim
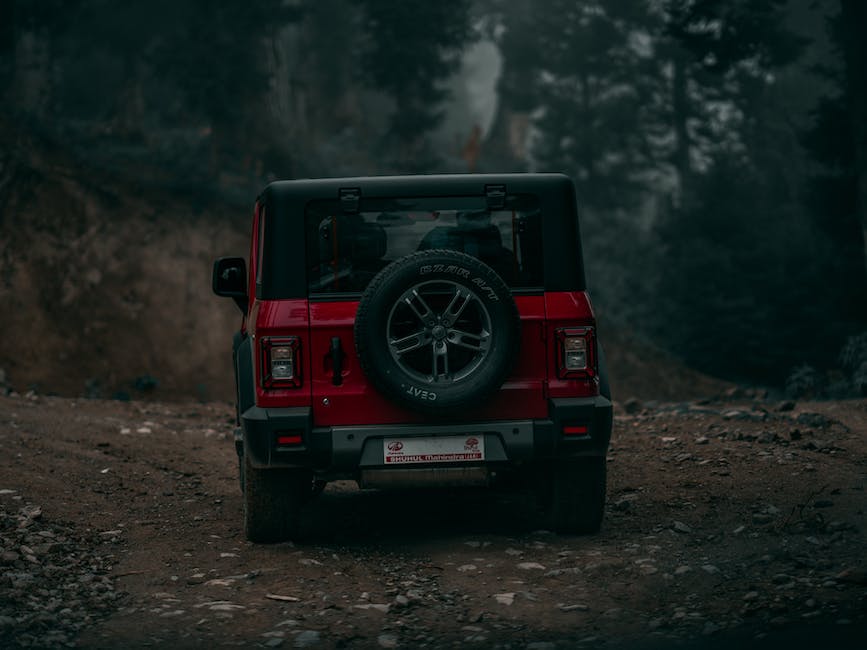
x: 343, y: 450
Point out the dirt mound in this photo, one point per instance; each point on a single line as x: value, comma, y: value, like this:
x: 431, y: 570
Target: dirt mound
x: 641, y: 370
x: 105, y: 292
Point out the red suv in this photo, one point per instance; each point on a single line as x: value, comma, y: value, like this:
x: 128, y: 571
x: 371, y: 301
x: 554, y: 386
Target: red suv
x: 416, y: 331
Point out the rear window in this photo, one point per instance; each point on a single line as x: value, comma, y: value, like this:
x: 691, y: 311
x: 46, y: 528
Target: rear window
x: 345, y: 251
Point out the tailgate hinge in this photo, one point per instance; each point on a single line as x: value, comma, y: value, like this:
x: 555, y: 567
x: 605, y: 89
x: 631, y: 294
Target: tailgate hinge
x: 350, y: 198
x: 495, y: 196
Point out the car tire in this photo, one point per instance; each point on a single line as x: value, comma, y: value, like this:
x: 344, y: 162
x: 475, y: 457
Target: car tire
x: 273, y: 501
x: 574, y: 495
x: 437, y: 331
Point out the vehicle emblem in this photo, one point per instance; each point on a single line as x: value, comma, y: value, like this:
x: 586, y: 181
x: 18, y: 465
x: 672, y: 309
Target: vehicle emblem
x: 395, y: 446
x: 471, y: 444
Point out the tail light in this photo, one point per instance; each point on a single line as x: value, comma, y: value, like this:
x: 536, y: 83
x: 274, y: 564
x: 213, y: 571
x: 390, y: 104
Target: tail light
x: 281, y: 362
x: 576, y: 353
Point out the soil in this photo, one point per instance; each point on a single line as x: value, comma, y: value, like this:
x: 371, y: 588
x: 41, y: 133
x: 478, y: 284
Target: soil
x: 730, y: 520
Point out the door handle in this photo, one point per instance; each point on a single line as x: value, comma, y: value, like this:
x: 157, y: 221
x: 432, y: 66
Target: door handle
x: 336, y: 361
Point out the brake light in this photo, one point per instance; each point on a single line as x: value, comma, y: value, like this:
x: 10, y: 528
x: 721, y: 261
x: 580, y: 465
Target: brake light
x: 289, y: 439
x: 576, y: 352
x: 281, y: 367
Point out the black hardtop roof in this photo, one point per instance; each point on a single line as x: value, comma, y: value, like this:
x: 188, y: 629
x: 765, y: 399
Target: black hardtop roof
x: 286, y: 202
x: 420, y: 185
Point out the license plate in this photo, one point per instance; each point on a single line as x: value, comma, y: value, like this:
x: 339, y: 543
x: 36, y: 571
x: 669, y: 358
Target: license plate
x: 442, y: 449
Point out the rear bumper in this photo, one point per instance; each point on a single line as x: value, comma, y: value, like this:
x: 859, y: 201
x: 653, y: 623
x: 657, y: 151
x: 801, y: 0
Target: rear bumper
x: 346, y: 450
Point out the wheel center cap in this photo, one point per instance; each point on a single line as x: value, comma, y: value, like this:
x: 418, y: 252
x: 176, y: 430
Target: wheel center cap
x: 438, y: 332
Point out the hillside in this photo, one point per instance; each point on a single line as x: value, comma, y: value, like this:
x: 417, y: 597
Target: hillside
x: 106, y: 289
x: 106, y: 285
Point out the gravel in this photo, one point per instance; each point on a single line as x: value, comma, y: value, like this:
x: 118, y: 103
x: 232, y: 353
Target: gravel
x: 54, y: 581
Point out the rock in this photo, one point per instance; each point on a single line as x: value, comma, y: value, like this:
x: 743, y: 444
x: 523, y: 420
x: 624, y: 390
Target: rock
x: 751, y: 595
x: 632, y: 406
x: 306, y: 639
x: 785, y: 405
x: 401, y: 601
x: 709, y: 568
x: 274, y: 642
x: 681, y: 527
x: 735, y: 392
x: 577, y: 607
x: 814, y: 420
x: 856, y: 576
x: 464, y: 568
x: 505, y: 598
x: 387, y: 640
x: 379, y: 607
x: 681, y: 570
x: 709, y: 628
x: 823, y: 503
x: 761, y: 518
x: 531, y: 566
x: 702, y: 440
x: 622, y: 505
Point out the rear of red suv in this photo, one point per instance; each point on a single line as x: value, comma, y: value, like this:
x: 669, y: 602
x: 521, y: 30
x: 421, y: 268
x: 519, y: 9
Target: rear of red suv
x: 416, y: 331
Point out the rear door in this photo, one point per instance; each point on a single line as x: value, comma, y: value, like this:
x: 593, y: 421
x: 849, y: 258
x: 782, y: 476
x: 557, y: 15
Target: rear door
x: 345, y: 250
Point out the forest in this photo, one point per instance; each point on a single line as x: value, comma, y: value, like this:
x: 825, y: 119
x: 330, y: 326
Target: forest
x: 719, y: 148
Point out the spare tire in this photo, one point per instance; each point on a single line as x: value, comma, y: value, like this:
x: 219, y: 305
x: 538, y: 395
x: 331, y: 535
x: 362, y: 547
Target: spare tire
x: 436, y: 331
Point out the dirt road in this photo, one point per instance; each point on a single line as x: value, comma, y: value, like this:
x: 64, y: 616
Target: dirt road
x: 727, y: 521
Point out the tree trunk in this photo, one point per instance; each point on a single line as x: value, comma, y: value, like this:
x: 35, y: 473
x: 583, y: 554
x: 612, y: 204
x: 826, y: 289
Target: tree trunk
x: 31, y: 85
x: 680, y: 116
x: 854, y: 26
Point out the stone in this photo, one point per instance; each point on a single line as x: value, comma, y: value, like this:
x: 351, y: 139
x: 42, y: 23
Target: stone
x: 387, y: 640
x: 531, y: 566
x: 306, y: 639
x: 505, y: 598
x: 464, y: 568
x: 710, y: 568
x: 577, y: 607
x: 681, y: 527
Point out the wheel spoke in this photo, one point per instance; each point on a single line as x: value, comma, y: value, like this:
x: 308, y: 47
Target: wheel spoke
x: 457, y: 305
x: 475, y: 342
x: 410, y: 343
x: 425, y: 312
x: 440, y: 361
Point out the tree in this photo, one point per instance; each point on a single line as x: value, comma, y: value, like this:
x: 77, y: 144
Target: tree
x: 593, y: 86
x: 411, y: 48
x: 852, y: 27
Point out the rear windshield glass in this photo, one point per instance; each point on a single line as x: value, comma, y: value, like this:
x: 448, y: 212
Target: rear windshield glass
x: 345, y: 251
